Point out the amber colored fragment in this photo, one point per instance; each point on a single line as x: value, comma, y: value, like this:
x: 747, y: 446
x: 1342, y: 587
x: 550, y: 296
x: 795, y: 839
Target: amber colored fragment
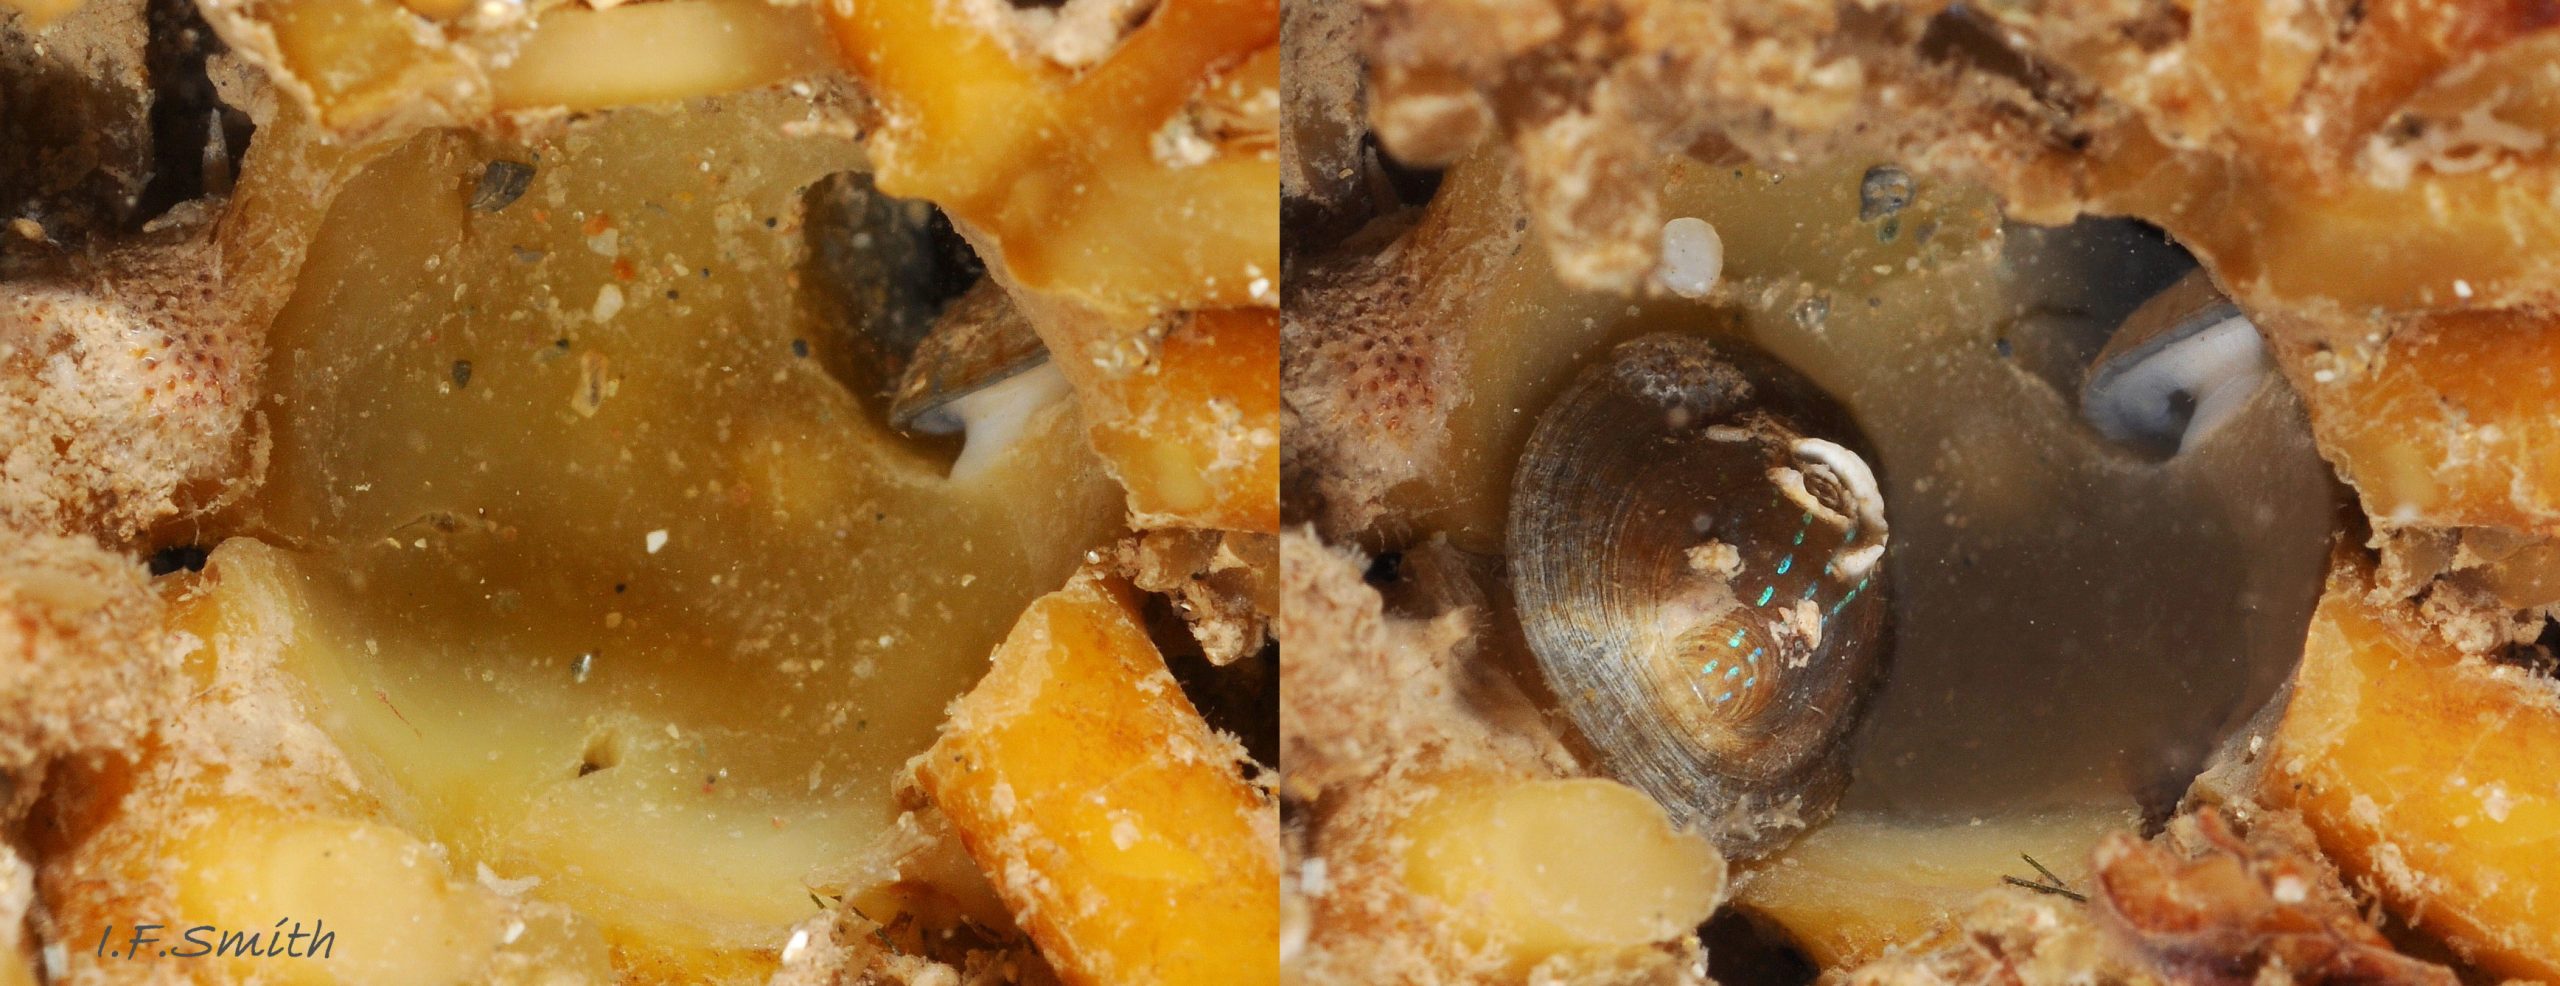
x: 582, y: 59
x: 2270, y: 235
x: 360, y: 62
x: 1848, y: 892
x: 1537, y: 868
x: 1062, y: 171
x: 1196, y: 435
x: 1111, y: 818
x: 2448, y: 420
x: 2427, y: 776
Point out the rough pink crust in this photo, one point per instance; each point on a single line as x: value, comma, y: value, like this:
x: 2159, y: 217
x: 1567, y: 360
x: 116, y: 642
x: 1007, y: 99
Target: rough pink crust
x: 1369, y: 365
x: 83, y: 661
x: 127, y: 385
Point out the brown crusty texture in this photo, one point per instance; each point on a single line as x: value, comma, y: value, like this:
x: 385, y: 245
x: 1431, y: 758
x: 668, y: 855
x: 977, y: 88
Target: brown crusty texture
x: 1322, y: 161
x: 126, y: 381
x: 1367, y: 693
x: 83, y: 661
x: 2203, y: 903
x: 1224, y: 584
x: 1381, y: 700
x: 2195, y: 116
x: 75, y: 135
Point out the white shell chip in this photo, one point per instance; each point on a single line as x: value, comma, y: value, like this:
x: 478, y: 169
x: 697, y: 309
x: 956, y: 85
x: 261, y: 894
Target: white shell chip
x: 1692, y: 257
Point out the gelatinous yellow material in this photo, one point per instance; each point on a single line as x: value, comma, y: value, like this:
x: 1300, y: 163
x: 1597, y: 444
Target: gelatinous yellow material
x: 1538, y: 868
x: 39, y: 13
x: 1196, y: 435
x: 2427, y: 776
x: 591, y: 561
x: 1114, y: 822
x: 395, y: 913
x: 1849, y: 890
x: 581, y: 59
x: 243, y: 820
x: 1060, y: 170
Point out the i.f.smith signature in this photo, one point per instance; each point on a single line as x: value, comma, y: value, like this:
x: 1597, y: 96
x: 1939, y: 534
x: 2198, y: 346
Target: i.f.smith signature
x: 199, y: 941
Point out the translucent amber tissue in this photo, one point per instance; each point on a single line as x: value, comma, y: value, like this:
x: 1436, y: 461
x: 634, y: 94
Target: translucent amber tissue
x: 1533, y: 869
x: 2427, y: 775
x: 1114, y: 822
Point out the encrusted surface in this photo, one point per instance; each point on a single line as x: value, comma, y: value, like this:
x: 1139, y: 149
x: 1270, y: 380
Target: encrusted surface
x: 131, y: 363
x: 2371, y: 182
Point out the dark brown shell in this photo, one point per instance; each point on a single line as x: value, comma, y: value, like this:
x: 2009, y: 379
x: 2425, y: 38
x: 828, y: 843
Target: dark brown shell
x: 980, y: 340
x: 1724, y: 683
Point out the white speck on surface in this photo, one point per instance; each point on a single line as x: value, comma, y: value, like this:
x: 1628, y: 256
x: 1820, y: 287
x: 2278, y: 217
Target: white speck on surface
x: 1312, y: 878
x: 57, y: 961
x: 504, y: 887
x: 1260, y: 287
x: 2494, y: 801
x: 2461, y: 288
x: 791, y: 949
x: 2324, y: 376
x: 608, y: 302
x: 515, y: 930
x: 2289, y: 889
x: 1123, y: 834
x: 1716, y: 558
x: 1692, y: 257
x: 655, y: 540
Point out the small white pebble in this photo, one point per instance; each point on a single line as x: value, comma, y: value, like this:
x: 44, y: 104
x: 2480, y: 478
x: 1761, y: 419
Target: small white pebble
x: 608, y: 302
x: 655, y: 540
x: 2461, y: 288
x: 2324, y: 376
x: 791, y: 949
x: 2290, y: 889
x: 1692, y: 257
